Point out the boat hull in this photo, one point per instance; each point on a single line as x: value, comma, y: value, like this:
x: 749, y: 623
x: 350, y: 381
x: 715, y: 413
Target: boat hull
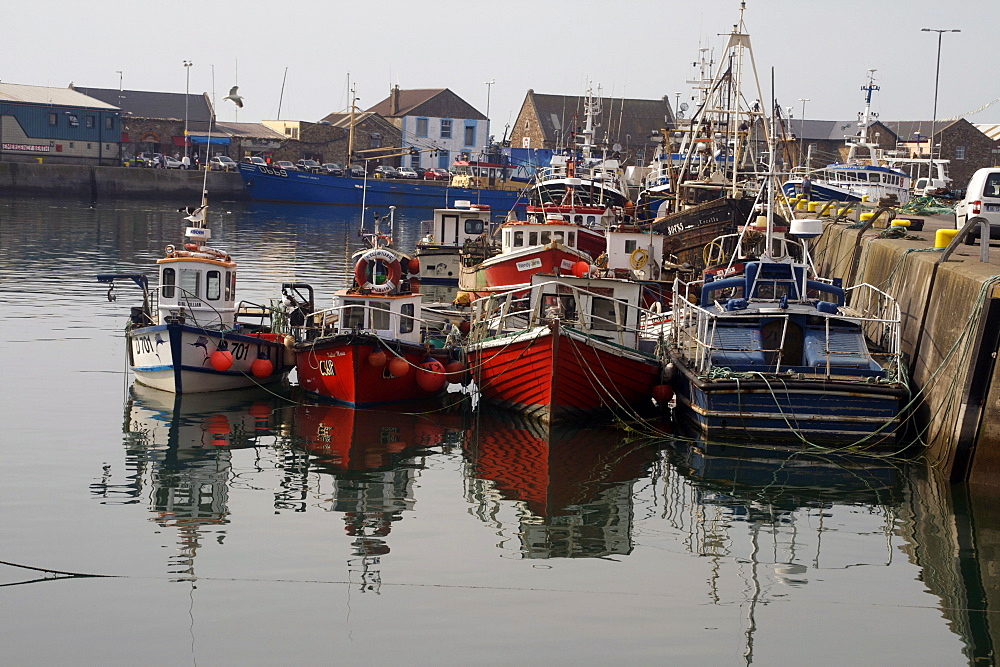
x: 337, y: 369
x: 279, y: 185
x: 557, y: 374
x: 789, y: 408
x: 176, y: 358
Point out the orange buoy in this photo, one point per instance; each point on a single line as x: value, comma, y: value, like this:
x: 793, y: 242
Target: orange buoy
x: 377, y: 358
x: 581, y: 269
x: 413, y: 266
x: 262, y: 367
x: 662, y: 393
x: 398, y: 367
x: 431, y: 376
x: 456, y: 372
x: 222, y: 358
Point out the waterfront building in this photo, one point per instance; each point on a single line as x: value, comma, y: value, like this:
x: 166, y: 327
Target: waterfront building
x: 57, y: 125
x: 437, y: 123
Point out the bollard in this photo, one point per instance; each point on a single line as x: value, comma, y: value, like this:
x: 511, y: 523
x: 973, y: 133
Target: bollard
x: 943, y: 237
x: 801, y: 205
x: 826, y: 207
x: 867, y: 216
x: 900, y: 222
x: 813, y: 205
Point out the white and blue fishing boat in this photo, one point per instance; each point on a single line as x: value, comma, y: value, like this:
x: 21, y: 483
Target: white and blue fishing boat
x: 190, y: 335
x: 776, y: 352
x: 866, y: 175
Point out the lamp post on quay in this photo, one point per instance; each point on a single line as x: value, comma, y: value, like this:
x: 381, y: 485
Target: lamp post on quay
x: 187, y: 88
x: 937, y: 74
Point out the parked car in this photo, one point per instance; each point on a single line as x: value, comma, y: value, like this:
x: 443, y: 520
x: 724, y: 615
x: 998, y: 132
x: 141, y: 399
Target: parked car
x: 222, y: 163
x: 254, y: 159
x: 407, y: 172
x: 172, y: 162
x: 312, y: 166
x: 385, y: 171
x: 333, y: 169
x: 982, y: 200
x: 437, y: 174
x: 148, y: 159
x: 286, y: 165
x: 356, y: 171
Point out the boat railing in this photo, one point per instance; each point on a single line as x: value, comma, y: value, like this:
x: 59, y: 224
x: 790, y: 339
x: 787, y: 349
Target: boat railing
x: 365, y: 318
x: 597, y: 314
x: 695, y: 331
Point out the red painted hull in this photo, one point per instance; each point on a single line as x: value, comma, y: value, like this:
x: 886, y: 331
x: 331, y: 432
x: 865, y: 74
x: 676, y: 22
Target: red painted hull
x: 504, y: 273
x: 558, y: 376
x: 338, y: 369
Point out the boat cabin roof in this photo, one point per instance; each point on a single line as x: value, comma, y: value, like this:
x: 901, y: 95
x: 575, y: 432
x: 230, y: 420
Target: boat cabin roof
x: 770, y: 281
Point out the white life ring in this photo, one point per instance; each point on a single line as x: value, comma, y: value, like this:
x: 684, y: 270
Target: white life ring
x: 394, y: 271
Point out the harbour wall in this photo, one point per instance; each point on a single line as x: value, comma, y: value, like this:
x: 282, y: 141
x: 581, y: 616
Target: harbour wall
x: 94, y: 183
x: 950, y: 336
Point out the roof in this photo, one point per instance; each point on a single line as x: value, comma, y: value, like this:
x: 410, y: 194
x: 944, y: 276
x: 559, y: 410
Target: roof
x: 344, y: 119
x: 148, y: 104
x: 905, y: 130
x: 633, y: 119
x: 17, y: 92
x: 990, y: 130
x: 253, y: 130
x: 432, y: 102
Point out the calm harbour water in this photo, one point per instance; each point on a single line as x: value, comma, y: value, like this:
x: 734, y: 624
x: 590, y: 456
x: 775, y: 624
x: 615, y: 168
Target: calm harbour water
x: 244, y: 528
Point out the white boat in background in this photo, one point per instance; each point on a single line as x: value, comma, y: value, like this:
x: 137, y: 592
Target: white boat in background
x: 454, y: 235
x: 868, y: 174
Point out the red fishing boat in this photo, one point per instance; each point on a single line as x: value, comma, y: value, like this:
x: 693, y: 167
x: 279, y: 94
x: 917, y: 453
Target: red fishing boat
x: 373, y: 346
x: 566, y: 348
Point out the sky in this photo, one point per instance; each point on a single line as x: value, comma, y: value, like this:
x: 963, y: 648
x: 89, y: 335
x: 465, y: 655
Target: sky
x: 820, y: 51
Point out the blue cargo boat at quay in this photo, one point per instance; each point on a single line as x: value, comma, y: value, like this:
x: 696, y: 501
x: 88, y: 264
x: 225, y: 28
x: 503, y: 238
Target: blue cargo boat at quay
x: 268, y: 183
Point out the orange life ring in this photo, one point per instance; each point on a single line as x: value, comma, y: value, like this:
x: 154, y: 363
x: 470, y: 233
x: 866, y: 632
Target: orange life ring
x: 394, y: 271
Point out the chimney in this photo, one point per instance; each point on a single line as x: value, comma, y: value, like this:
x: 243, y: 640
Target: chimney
x: 394, y: 101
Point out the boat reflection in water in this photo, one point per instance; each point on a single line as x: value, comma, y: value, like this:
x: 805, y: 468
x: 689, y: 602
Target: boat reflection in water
x: 179, y: 454
x: 771, y: 518
x: 572, y: 488
x: 369, y: 460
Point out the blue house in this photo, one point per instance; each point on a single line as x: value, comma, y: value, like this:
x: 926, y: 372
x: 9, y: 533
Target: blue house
x: 57, y: 125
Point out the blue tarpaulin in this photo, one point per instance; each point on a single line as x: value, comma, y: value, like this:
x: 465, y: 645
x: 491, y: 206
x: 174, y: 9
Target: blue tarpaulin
x: 217, y: 141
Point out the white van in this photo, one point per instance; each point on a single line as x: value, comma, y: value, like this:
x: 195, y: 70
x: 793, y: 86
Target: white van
x: 982, y: 200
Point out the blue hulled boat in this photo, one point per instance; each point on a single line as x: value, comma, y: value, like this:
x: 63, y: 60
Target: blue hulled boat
x: 775, y: 352
x: 268, y: 183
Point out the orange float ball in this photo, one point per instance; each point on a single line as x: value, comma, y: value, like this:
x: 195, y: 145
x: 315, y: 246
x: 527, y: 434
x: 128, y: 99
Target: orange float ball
x: 398, y: 367
x: 662, y: 393
x: 431, y: 375
x: 377, y: 358
x: 221, y: 360
x: 262, y: 368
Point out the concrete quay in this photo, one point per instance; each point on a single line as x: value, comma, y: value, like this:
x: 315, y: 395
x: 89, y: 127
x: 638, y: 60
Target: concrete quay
x: 94, y: 183
x: 950, y: 333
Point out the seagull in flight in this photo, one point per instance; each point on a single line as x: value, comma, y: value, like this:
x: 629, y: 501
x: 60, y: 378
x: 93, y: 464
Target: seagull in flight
x: 236, y: 99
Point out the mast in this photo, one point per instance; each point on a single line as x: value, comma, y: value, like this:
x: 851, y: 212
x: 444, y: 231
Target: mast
x: 350, y: 133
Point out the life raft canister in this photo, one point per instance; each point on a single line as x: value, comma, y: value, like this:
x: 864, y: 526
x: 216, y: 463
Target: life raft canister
x: 392, y: 267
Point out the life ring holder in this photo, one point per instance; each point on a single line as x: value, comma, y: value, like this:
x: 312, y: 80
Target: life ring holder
x: 392, y: 267
x: 638, y: 259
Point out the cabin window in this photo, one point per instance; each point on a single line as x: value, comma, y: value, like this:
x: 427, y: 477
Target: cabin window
x: 353, y: 315
x: 506, y: 238
x: 545, y: 237
x: 230, y: 285
x: 631, y: 245
x: 190, y: 284
x: 572, y: 240
x: 604, y: 314
x: 532, y: 238
x: 474, y: 226
x: 421, y: 127
x: 518, y: 239
x: 557, y: 237
x: 213, y: 285
x: 406, y: 321
x: 167, y: 282
x: 959, y: 152
x: 379, y: 316
x: 591, y: 220
x: 578, y: 219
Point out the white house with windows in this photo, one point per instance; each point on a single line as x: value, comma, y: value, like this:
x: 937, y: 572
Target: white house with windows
x: 436, y: 123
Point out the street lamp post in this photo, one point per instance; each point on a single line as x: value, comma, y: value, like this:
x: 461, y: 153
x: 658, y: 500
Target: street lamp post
x: 937, y: 74
x: 489, y: 85
x: 187, y: 88
x: 802, y: 126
